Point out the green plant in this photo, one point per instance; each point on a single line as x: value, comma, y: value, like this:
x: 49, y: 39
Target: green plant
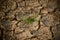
x: 30, y: 20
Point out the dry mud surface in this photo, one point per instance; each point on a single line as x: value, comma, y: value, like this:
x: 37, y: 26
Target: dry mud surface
x: 29, y: 20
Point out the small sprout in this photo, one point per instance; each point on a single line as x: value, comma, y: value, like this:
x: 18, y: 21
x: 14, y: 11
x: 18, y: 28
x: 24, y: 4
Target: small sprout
x: 30, y: 20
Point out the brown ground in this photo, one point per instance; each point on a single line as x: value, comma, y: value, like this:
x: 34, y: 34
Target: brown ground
x: 29, y: 20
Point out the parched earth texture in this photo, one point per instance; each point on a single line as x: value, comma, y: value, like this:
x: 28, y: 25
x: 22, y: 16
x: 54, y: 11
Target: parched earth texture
x: 29, y: 19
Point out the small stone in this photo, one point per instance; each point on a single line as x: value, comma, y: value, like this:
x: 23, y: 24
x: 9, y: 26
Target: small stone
x: 14, y: 6
x: 48, y: 19
x: 19, y: 16
x: 34, y: 26
x: 21, y: 4
x: 23, y: 35
x: 18, y: 30
x: 14, y: 22
x: 23, y: 25
x: 43, y: 33
x: 45, y: 11
x: 8, y: 25
x: 10, y: 15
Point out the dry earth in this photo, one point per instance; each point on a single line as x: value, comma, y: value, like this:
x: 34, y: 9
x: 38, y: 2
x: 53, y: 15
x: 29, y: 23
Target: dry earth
x: 29, y: 20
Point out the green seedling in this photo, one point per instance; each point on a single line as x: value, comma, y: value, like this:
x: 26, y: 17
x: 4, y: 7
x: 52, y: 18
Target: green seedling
x: 30, y: 20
